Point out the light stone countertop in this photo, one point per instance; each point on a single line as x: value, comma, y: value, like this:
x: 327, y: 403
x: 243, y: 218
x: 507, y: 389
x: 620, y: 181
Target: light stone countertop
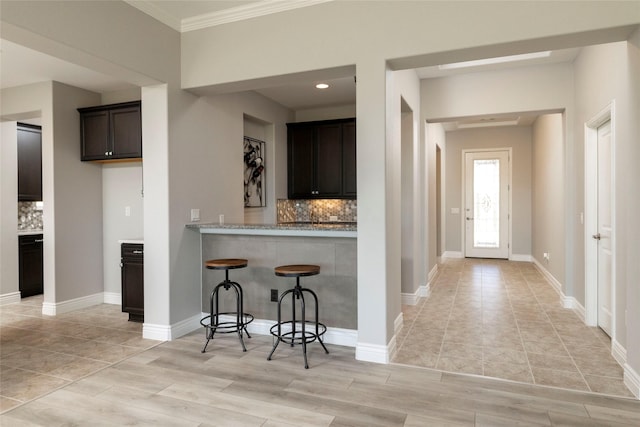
x: 139, y: 241
x: 327, y: 229
x: 29, y: 232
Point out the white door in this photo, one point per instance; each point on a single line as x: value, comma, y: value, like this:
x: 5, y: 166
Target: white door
x: 604, y: 230
x: 487, y: 204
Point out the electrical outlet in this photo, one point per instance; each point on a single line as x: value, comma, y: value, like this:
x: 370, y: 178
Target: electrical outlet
x: 195, y: 214
x: 333, y: 218
x: 274, y: 295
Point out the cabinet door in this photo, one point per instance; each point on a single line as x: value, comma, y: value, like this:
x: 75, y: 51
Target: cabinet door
x: 328, y: 160
x: 132, y: 272
x: 94, y: 129
x: 29, y: 163
x: 31, y: 278
x: 126, y: 133
x: 349, y: 183
x: 300, y: 162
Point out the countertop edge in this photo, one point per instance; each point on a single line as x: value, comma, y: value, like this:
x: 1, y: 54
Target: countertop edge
x: 274, y: 230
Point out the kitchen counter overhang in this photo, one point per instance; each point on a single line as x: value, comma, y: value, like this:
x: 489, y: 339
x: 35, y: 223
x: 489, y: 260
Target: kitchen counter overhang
x: 285, y: 229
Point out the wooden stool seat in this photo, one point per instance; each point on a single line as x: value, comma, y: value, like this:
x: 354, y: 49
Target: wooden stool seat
x: 226, y: 263
x: 297, y: 270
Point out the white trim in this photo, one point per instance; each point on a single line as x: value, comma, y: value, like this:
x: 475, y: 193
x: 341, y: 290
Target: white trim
x: 10, y: 298
x: 155, y: 12
x: 590, y: 215
x: 397, y: 324
x: 618, y: 352
x: 240, y: 13
x: 170, y: 332
x: 412, y: 299
x: 374, y: 352
x: 521, y: 258
x: 156, y: 332
x: 430, y: 277
x: 55, y: 308
x: 336, y: 336
x: 113, y: 298
x: 452, y: 254
x: 409, y: 299
x: 632, y: 380
x: 555, y: 284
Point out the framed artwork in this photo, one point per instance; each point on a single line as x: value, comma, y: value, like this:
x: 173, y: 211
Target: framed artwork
x: 254, y: 177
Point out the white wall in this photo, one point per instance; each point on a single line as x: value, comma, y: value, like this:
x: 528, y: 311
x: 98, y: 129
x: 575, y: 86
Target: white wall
x: 518, y: 138
x: 548, y: 193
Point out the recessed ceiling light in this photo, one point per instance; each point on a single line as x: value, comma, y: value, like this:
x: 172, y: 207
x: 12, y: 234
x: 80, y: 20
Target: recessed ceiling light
x: 322, y: 86
x: 498, y: 60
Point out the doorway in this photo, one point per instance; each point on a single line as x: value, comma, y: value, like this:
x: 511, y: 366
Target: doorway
x: 486, y: 179
x: 599, y: 222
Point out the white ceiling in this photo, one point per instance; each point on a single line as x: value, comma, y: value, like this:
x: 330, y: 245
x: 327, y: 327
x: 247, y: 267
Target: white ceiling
x: 20, y: 65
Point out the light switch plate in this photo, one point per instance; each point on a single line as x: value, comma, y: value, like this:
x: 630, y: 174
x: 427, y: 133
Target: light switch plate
x: 195, y: 214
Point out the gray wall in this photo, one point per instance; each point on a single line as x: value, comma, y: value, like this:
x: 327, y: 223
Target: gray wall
x: 548, y: 193
x: 517, y: 138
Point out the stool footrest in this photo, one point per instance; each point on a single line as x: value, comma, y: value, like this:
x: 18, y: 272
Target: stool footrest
x: 290, y: 336
x: 226, y: 326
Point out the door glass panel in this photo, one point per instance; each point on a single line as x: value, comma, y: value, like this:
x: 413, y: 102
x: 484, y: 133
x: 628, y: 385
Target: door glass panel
x: 486, y: 203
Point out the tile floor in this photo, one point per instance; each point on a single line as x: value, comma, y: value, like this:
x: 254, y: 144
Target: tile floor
x: 39, y: 354
x: 503, y: 319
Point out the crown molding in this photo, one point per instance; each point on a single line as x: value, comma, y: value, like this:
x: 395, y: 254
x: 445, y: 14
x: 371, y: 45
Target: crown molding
x: 155, y: 12
x: 253, y: 10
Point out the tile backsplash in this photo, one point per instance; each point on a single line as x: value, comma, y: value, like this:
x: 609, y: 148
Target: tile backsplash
x: 320, y: 210
x: 29, y: 215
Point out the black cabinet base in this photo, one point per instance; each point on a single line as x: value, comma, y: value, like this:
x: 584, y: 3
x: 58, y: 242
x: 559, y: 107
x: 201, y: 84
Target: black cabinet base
x: 133, y: 317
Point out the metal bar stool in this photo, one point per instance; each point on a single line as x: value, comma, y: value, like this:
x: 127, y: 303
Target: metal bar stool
x: 212, y: 322
x: 298, y: 333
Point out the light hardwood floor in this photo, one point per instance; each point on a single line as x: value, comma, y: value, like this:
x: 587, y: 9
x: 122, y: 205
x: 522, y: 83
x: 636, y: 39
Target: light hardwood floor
x: 503, y: 319
x: 104, y: 376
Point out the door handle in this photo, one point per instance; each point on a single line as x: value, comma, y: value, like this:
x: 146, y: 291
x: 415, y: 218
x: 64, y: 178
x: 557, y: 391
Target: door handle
x: 469, y: 219
x: 597, y: 236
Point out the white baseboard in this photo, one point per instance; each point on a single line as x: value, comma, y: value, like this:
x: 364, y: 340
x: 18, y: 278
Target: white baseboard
x: 521, y: 258
x: 374, y: 352
x: 55, y: 308
x: 113, y: 298
x: 432, y: 274
x: 547, y: 274
x: 412, y: 299
x: 397, y: 324
x: 452, y: 254
x: 10, y: 298
x: 632, y: 380
x: 170, y: 332
x: 336, y: 336
x: 619, y: 353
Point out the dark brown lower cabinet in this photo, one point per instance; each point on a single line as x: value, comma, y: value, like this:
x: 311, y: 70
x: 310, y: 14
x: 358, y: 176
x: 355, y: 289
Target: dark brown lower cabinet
x: 132, y: 271
x: 31, y: 278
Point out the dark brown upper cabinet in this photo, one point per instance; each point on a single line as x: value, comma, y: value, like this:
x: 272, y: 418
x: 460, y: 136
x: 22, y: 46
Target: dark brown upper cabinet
x: 111, y: 132
x: 29, y: 163
x: 321, y: 159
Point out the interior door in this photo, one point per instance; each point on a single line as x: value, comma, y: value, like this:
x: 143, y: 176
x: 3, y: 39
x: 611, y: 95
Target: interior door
x: 604, y: 232
x: 487, y: 204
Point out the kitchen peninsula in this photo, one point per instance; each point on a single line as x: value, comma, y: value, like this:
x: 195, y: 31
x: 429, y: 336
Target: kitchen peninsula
x: 332, y: 246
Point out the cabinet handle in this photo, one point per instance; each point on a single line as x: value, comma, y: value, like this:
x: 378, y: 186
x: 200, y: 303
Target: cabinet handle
x: 106, y: 153
x: 111, y: 153
x: 138, y: 252
x: 39, y: 240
